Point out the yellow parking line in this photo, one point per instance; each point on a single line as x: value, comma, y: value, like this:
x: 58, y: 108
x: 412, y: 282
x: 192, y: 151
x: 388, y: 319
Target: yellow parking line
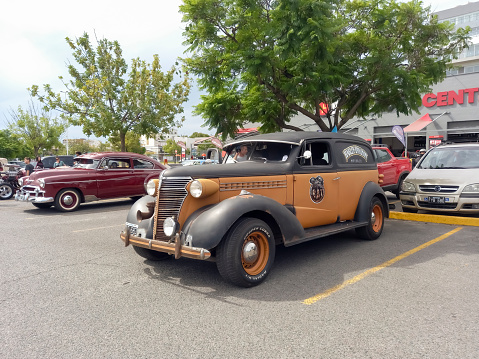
x: 434, y: 218
x: 357, y: 278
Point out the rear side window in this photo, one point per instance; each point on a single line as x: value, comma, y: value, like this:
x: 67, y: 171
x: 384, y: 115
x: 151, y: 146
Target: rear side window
x: 381, y: 156
x: 142, y: 164
x: 353, y: 154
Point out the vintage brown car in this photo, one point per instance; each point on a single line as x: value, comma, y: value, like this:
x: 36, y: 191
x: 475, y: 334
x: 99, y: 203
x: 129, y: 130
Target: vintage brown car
x: 289, y: 188
x: 95, y: 176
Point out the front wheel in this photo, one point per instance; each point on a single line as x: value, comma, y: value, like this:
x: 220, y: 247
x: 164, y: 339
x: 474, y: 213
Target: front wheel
x: 246, y: 254
x: 398, y: 189
x: 67, y: 200
x: 6, y: 191
x: 375, y: 225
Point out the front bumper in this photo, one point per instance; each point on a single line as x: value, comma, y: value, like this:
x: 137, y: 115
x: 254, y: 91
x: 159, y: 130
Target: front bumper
x: 32, y: 194
x: 174, y: 247
x: 452, y: 202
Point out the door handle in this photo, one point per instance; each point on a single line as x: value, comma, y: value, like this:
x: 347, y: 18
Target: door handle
x: 335, y: 179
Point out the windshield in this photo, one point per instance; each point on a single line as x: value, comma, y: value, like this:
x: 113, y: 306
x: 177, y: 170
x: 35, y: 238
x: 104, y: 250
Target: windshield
x: 451, y: 157
x: 86, y: 163
x: 259, y: 152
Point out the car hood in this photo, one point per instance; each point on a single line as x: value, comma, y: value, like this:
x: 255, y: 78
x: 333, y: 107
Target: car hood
x: 444, y: 176
x: 57, y: 172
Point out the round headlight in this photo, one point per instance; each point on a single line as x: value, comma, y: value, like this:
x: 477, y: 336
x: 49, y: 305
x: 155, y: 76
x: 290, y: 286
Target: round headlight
x: 408, y: 187
x: 151, y: 187
x: 196, y: 189
x: 41, y: 182
x: 20, y: 181
x: 169, y: 226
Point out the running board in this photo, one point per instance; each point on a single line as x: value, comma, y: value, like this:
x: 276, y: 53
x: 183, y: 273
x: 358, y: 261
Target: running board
x: 323, y: 231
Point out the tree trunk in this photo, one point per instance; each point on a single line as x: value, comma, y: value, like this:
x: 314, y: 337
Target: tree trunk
x: 123, y: 141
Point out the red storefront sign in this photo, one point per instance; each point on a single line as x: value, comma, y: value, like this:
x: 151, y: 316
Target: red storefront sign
x: 448, y: 98
x: 435, y: 140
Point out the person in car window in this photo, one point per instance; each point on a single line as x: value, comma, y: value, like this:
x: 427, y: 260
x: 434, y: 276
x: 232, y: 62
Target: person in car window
x: 28, y: 167
x: 241, y: 155
x: 58, y: 162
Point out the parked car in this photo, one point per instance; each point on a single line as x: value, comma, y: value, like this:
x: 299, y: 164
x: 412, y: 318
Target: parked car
x: 48, y: 161
x: 291, y: 188
x: 392, y: 170
x: 18, y: 163
x: 446, y: 179
x: 96, y: 176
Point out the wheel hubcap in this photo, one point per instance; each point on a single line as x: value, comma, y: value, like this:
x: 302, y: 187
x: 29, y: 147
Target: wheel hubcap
x: 250, y: 252
x: 68, y: 200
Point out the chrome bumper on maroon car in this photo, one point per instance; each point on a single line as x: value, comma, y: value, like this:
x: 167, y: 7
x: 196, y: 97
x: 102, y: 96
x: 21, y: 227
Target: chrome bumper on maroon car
x: 34, y: 195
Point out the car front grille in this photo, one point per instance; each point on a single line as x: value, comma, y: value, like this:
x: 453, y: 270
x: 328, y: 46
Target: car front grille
x: 437, y: 205
x: 438, y: 188
x: 171, y: 195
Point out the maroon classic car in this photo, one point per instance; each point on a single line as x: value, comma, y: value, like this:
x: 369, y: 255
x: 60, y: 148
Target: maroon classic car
x: 94, y: 176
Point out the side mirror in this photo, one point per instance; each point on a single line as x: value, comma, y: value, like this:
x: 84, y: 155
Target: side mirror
x: 306, y: 155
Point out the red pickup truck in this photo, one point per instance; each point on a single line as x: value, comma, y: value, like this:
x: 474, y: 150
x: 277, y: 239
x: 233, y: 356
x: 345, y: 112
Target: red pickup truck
x: 393, y: 169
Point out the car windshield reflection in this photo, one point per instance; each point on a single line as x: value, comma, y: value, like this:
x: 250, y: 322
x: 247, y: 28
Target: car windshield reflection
x: 451, y: 158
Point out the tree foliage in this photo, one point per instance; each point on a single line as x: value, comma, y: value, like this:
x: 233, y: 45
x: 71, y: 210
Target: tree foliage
x: 266, y: 61
x: 132, y: 143
x: 37, y: 129
x: 106, y: 99
x: 171, y: 146
x: 11, y: 146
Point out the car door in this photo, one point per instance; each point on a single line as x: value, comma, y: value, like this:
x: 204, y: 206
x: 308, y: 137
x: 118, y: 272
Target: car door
x: 116, y: 178
x: 142, y: 171
x: 386, y: 166
x: 315, y: 186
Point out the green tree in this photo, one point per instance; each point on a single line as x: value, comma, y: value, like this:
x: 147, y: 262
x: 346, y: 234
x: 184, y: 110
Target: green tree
x: 132, y: 143
x: 107, y: 100
x: 266, y: 61
x: 11, y: 146
x: 36, y: 128
x: 171, y: 146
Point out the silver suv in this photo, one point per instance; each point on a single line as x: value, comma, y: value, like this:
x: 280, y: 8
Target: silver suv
x: 446, y: 179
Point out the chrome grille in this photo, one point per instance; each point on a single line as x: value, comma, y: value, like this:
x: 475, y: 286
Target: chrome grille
x: 438, y: 188
x: 171, y: 195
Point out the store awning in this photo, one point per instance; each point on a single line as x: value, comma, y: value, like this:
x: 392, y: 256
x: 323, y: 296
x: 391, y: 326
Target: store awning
x: 419, y: 124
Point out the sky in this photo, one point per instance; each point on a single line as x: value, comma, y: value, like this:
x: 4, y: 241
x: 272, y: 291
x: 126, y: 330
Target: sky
x: 34, y: 50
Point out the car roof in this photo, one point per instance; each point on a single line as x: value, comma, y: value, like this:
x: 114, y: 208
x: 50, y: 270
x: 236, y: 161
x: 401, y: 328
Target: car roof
x: 295, y: 137
x: 100, y: 155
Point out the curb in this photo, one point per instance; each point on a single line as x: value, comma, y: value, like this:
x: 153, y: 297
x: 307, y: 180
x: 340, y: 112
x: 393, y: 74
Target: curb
x: 461, y: 221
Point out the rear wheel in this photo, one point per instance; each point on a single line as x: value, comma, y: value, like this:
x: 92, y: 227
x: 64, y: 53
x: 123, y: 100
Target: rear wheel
x: 6, y: 191
x: 42, y: 205
x: 376, y: 221
x: 246, y: 254
x: 67, y: 200
x: 151, y: 255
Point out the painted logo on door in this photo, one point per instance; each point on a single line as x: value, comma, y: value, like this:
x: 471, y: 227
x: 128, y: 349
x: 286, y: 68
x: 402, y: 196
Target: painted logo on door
x: 316, y: 190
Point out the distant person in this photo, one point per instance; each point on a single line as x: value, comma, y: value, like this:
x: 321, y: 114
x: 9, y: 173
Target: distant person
x: 241, y: 154
x: 28, y: 166
x: 422, y: 152
x: 39, y: 165
x: 58, y: 162
x: 77, y: 153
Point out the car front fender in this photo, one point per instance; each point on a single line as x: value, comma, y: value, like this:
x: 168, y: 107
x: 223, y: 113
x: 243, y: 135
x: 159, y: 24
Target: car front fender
x: 370, y: 190
x: 145, y: 226
x: 206, y: 227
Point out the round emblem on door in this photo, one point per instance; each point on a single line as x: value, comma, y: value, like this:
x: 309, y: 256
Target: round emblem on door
x: 316, y: 190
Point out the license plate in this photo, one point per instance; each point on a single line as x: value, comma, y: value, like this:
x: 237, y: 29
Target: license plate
x: 435, y: 199
x: 133, y: 228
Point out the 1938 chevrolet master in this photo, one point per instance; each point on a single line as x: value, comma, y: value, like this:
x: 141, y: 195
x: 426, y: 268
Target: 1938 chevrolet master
x: 292, y: 187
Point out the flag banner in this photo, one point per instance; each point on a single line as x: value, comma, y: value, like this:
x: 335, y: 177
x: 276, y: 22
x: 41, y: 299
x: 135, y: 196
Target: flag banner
x: 181, y: 144
x: 419, y: 124
x: 399, y: 133
x: 215, y: 141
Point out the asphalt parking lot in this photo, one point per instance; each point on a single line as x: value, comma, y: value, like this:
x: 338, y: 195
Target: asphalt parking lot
x: 69, y: 288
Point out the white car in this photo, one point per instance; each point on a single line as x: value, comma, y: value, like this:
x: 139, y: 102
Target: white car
x: 446, y: 179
